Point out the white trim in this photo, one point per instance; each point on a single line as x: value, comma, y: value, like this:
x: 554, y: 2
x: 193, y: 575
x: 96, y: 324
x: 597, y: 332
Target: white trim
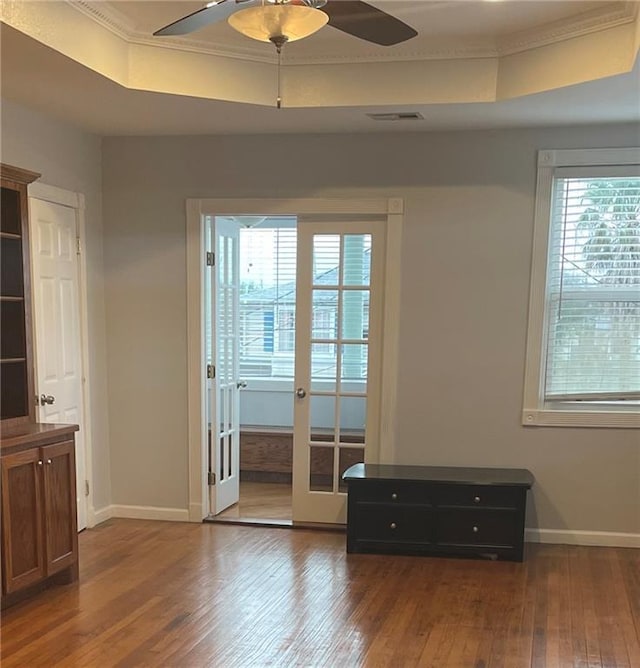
x: 588, y: 157
x: 95, y: 517
x: 392, y: 209
x: 592, y: 538
x: 391, y: 333
x: 196, y: 387
x: 297, y: 207
x: 535, y: 411
x: 84, y: 337
x: 55, y: 195
x: 149, y: 513
x: 581, y: 418
x: 74, y: 200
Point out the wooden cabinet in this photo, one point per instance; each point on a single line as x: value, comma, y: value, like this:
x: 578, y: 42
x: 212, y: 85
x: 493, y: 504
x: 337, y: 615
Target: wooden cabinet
x: 39, y: 527
x: 437, y: 510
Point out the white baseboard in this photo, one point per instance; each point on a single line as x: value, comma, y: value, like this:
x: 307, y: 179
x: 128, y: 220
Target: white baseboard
x: 595, y: 538
x: 196, y: 513
x: 150, y: 513
x: 97, y: 516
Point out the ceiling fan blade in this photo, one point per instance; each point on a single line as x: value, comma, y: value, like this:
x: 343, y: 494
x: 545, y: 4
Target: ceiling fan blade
x: 203, y: 17
x: 362, y: 20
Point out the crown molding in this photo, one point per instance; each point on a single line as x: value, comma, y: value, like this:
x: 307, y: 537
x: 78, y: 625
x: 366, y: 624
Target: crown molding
x: 596, y: 20
x: 617, y: 14
x: 106, y: 15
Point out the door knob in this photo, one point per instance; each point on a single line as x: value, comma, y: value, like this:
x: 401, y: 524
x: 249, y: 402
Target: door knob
x: 241, y: 384
x: 47, y: 399
x: 301, y: 393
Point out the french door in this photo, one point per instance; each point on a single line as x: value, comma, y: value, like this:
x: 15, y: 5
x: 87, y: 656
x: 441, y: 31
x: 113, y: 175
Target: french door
x: 338, y: 360
x: 222, y: 354
x: 345, y: 388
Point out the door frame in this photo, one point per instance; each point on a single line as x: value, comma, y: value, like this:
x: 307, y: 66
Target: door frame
x: 76, y: 201
x: 391, y: 210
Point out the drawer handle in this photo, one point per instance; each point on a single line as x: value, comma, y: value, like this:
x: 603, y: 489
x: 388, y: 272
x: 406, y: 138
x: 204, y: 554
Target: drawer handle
x: 475, y: 529
x: 394, y: 496
x: 476, y: 499
x: 393, y: 525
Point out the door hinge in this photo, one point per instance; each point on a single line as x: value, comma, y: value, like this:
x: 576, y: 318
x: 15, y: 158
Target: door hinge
x: 212, y: 478
x: 211, y: 259
x: 78, y: 245
x: 211, y: 371
x: 86, y: 488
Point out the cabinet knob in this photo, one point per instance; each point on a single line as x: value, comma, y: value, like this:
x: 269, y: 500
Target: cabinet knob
x: 476, y: 499
x: 48, y: 461
x: 475, y: 529
x: 39, y: 462
x: 394, y: 496
x: 393, y: 525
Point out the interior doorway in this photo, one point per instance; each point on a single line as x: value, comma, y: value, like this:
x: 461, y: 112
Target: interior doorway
x: 59, y: 310
x: 330, y: 361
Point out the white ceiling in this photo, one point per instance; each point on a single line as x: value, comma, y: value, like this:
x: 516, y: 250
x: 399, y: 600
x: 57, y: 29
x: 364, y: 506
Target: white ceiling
x: 440, y: 24
x: 42, y: 78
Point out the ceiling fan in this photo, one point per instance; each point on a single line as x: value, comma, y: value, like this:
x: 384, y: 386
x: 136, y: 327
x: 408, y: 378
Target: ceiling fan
x: 353, y: 17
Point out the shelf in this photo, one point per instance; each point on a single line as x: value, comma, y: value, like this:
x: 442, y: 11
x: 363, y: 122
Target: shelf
x: 10, y: 211
x: 10, y: 235
x: 11, y: 360
x: 13, y: 385
x: 11, y: 269
x: 7, y: 298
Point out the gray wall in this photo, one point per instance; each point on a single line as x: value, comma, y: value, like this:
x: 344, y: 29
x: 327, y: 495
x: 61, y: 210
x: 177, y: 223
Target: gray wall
x: 465, y: 284
x: 71, y: 159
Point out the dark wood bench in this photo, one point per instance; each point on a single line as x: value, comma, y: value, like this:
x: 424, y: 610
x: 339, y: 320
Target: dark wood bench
x: 395, y: 509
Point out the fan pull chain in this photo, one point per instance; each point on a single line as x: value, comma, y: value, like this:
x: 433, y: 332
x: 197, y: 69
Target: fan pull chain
x: 279, y: 98
x: 279, y: 41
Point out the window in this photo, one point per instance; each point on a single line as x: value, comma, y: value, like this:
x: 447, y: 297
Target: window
x: 268, y: 298
x: 583, y: 355
x: 268, y: 254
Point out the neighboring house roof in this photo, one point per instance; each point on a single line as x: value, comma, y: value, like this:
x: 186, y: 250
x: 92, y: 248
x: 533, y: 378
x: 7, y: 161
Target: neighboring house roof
x: 286, y: 292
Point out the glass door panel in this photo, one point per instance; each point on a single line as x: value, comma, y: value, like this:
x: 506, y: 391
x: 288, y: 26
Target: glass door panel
x: 336, y: 297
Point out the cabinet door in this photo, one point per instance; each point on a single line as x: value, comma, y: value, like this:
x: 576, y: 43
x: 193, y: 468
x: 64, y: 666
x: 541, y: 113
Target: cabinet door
x: 61, y: 537
x: 22, y: 545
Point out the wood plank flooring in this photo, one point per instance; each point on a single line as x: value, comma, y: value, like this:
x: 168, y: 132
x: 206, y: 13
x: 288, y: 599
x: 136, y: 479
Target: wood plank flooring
x: 215, y: 595
x: 261, y: 501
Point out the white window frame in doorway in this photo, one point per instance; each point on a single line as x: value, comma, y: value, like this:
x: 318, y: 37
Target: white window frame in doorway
x: 76, y: 201
x: 391, y: 210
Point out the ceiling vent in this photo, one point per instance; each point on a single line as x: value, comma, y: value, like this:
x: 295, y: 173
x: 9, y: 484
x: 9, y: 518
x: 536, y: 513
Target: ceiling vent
x: 398, y: 116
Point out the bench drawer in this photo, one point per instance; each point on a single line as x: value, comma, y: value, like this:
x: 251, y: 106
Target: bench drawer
x: 478, y: 496
x: 476, y: 527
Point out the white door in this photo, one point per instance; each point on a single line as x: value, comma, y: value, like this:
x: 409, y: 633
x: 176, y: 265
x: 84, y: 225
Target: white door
x: 222, y: 284
x: 338, y: 354
x: 58, y: 352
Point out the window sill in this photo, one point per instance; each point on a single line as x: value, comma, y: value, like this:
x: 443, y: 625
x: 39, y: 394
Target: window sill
x: 621, y: 419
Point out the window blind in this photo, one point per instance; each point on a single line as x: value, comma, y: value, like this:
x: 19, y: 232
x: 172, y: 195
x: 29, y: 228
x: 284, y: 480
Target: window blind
x: 267, y: 301
x: 593, y: 290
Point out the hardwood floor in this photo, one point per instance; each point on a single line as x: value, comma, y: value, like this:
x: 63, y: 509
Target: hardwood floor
x: 213, y: 595
x: 261, y: 501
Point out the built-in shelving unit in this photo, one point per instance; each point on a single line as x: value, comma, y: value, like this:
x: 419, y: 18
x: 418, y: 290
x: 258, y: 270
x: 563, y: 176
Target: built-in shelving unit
x: 37, y: 461
x: 16, y: 377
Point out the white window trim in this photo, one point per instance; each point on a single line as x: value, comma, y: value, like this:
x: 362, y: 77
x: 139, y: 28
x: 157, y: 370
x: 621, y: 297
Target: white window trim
x: 536, y: 412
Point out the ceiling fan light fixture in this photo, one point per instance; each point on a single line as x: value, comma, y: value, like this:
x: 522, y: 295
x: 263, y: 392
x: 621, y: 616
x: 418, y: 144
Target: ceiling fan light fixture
x: 269, y: 21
